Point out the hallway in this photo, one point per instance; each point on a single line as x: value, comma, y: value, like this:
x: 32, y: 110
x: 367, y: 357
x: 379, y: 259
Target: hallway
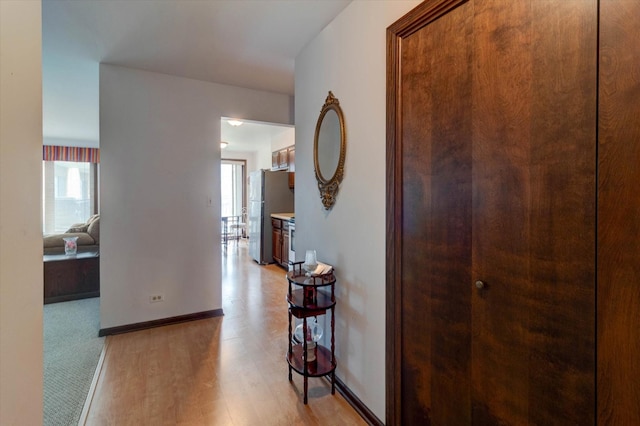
x: 229, y: 370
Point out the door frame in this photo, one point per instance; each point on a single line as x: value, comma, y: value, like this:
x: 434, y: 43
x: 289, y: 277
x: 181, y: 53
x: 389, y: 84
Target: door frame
x: 413, y: 21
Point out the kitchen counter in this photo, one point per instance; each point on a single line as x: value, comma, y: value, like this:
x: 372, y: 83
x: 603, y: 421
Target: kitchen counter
x: 282, y: 216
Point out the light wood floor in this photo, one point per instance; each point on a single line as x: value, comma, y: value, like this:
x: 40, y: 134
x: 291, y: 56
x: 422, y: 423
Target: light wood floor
x: 221, y: 371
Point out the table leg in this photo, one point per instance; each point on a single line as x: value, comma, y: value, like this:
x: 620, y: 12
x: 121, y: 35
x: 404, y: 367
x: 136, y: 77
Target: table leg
x: 333, y: 383
x: 306, y: 387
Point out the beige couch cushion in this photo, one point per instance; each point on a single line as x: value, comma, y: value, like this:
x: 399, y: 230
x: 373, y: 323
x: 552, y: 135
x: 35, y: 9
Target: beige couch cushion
x: 78, y: 227
x: 56, y: 240
x: 94, y: 229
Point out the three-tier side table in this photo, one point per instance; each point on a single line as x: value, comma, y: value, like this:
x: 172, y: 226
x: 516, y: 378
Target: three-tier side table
x: 311, y: 296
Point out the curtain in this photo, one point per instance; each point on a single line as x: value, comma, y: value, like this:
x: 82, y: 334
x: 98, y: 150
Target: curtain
x: 70, y: 153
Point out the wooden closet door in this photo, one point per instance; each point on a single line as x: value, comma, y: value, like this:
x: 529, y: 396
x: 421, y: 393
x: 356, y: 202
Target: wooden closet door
x: 492, y: 143
x: 619, y: 214
x: 434, y: 222
x: 534, y: 159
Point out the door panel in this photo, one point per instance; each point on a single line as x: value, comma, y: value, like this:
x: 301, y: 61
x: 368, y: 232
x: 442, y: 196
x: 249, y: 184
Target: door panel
x: 436, y: 235
x: 501, y: 217
x: 534, y: 211
x: 618, y: 214
x: 492, y: 167
x: 563, y: 212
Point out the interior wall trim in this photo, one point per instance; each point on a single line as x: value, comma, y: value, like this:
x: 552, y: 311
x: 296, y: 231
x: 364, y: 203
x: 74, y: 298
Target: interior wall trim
x: 355, y: 402
x: 160, y: 322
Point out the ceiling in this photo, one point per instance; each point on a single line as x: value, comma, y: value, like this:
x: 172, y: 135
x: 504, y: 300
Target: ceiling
x: 247, y: 43
x: 250, y: 135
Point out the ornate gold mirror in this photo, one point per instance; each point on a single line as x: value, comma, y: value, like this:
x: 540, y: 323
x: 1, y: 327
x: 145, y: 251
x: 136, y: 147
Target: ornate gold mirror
x: 329, y: 147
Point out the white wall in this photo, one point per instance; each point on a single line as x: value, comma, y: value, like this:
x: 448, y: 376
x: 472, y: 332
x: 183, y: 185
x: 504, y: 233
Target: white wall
x: 263, y: 158
x: 82, y: 143
x: 20, y: 213
x: 248, y: 156
x: 349, y: 58
x: 284, y: 139
x: 160, y: 166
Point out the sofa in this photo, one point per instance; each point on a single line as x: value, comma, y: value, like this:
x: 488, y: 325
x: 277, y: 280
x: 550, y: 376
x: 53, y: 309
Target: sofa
x: 88, y: 234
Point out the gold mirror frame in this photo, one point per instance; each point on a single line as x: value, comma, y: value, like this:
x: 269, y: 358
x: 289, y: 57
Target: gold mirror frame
x: 329, y: 187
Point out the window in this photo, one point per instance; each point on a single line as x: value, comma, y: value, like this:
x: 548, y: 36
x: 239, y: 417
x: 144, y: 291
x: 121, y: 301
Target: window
x: 232, y: 187
x: 69, y: 194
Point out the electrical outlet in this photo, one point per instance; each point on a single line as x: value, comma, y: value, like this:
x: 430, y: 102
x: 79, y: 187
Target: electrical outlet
x: 156, y: 298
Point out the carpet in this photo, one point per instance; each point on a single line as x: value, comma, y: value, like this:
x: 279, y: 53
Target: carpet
x: 71, y: 353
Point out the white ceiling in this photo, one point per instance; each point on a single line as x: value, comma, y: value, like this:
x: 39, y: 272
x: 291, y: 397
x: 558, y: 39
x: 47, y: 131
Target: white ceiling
x: 247, y: 43
x: 250, y: 135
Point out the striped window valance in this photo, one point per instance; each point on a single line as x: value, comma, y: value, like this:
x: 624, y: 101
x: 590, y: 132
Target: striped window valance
x: 70, y: 153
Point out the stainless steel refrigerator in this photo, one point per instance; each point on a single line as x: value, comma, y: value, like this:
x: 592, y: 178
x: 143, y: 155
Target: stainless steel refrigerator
x: 268, y: 193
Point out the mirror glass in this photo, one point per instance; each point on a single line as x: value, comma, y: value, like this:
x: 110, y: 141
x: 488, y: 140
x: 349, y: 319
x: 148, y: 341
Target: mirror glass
x: 329, y: 145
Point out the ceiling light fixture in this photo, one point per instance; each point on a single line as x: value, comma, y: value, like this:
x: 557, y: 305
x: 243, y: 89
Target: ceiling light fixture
x: 223, y: 145
x: 235, y: 123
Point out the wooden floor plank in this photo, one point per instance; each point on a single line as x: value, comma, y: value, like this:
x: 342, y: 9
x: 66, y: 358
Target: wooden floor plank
x: 228, y: 370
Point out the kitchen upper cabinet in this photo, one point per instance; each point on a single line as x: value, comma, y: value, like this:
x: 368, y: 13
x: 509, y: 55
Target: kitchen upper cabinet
x: 283, y: 159
x: 512, y: 128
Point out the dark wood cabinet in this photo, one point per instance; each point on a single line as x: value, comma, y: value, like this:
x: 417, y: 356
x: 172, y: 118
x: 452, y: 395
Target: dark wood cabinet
x: 71, y: 277
x: 283, y: 159
x: 280, y: 241
x: 285, y: 244
x: 510, y: 125
x: 276, y: 226
x: 292, y: 180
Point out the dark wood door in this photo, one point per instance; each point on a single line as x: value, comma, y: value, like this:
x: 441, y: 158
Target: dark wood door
x: 618, y: 214
x: 492, y: 157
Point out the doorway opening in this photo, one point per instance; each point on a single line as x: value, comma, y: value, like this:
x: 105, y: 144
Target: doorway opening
x: 248, y: 146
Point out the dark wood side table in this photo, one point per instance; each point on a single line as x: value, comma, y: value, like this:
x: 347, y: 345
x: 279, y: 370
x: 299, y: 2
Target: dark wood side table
x: 311, y: 297
x: 71, y: 277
